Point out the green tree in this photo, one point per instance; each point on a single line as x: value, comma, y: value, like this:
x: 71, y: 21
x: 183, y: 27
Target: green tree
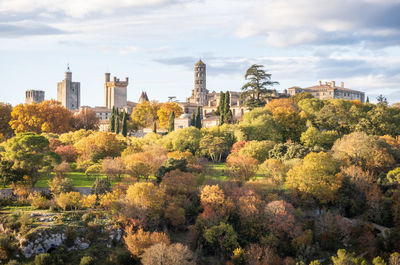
x: 255, y: 90
x: 171, y: 126
x: 5, y: 118
x: 155, y: 127
x: 198, y: 118
x: 221, y: 103
x: 117, y: 127
x: 221, y: 238
x: 29, y: 153
x: 124, y: 125
x: 214, y: 147
x: 345, y: 258
x: 112, y: 120
x: 193, y: 120
x: 314, y: 137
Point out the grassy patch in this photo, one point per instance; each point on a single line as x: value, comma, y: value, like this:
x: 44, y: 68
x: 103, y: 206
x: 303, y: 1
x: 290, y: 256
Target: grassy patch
x: 79, y: 179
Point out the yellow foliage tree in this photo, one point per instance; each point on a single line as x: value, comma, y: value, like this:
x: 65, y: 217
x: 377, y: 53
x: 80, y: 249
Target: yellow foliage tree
x: 145, y: 114
x: 316, y: 177
x: 166, y: 110
x: 146, y: 196
x: 48, y: 116
x: 137, y: 242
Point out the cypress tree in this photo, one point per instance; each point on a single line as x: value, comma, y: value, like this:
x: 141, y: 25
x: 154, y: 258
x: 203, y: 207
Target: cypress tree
x: 124, y: 125
x: 117, y: 124
x: 227, y: 108
x: 198, y: 118
x: 193, y: 120
x: 220, y: 109
x: 154, y: 127
x: 367, y: 99
x: 112, y: 121
x: 171, y: 126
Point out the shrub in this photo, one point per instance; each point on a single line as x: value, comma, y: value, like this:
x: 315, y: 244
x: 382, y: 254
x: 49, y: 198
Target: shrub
x: 87, y: 260
x: 6, y: 247
x: 100, y: 186
x: 60, y: 185
x: 38, y: 201
x: 68, y: 153
x: 43, y: 259
x: 89, y: 201
x: 69, y: 200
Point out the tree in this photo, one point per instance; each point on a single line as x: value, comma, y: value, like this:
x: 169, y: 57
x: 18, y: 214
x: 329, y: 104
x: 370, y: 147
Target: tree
x: 67, y: 153
x: 183, y: 139
x: 288, y: 151
x: 48, y: 116
x: 5, y: 118
x: 221, y: 238
x: 173, y: 254
x: 369, y: 152
x: 193, y: 120
x: 241, y: 167
x: 69, y: 200
x: 169, y: 165
x: 112, y: 120
x: 117, y: 124
x: 113, y: 167
x: 258, y: 124
x: 314, y: 137
x: 165, y: 111
x: 255, y: 90
x: 394, y: 259
x: 345, y: 258
x: 60, y: 185
x: 29, y: 153
x: 198, y: 118
x: 146, y: 196
x: 124, y: 125
x: 214, y: 147
x: 137, y: 242
x: 282, y: 220
x: 145, y: 114
x: 155, y: 127
x: 62, y: 169
x: 100, y: 186
x: 171, y: 126
x: 220, y: 110
x: 316, y: 177
x: 85, y: 119
x: 382, y: 101
x: 257, y: 149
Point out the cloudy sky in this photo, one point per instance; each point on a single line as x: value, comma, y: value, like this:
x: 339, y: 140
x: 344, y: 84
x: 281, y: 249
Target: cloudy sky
x: 156, y: 43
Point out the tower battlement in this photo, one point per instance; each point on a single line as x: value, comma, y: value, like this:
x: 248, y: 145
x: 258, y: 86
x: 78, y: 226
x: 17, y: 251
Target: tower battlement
x: 115, y: 92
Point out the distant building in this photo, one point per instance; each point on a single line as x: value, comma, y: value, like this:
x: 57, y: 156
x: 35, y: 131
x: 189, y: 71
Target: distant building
x: 115, y: 92
x: 329, y: 90
x: 143, y: 97
x: 68, y: 92
x: 199, y: 93
x: 34, y: 96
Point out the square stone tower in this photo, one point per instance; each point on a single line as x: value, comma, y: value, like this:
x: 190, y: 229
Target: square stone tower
x: 34, y: 96
x: 115, y: 92
x: 68, y: 92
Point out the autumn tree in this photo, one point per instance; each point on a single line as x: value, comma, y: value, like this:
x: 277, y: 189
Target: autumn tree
x: 145, y: 113
x: 67, y: 153
x: 70, y: 200
x: 314, y: 137
x: 85, y: 119
x: 214, y: 147
x: 241, y: 167
x: 113, y: 167
x: 369, y: 152
x: 183, y: 139
x: 166, y: 109
x: 257, y: 149
x: 221, y: 238
x: 138, y: 241
x: 256, y: 89
x: 48, y: 116
x: 146, y: 196
x: 315, y: 177
x: 28, y: 153
x: 5, y: 118
x: 173, y: 254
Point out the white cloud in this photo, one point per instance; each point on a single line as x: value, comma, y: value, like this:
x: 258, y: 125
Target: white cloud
x: 128, y: 50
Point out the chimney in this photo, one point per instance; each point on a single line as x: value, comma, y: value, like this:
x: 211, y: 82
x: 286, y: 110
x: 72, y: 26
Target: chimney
x: 320, y: 83
x: 333, y: 84
x: 342, y: 84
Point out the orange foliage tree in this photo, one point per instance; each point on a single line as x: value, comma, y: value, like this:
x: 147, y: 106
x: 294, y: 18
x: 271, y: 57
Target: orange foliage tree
x: 48, y: 116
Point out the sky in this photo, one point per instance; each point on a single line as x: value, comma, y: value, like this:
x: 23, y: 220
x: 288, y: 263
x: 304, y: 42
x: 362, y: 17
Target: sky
x: 157, y: 42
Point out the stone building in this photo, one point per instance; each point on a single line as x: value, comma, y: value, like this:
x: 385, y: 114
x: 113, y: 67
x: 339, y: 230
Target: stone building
x: 143, y: 97
x: 34, y: 96
x: 115, y: 92
x: 329, y: 90
x: 199, y: 93
x: 68, y: 92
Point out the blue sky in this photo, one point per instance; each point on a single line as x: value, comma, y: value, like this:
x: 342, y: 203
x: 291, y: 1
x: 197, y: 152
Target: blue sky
x: 156, y: 43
